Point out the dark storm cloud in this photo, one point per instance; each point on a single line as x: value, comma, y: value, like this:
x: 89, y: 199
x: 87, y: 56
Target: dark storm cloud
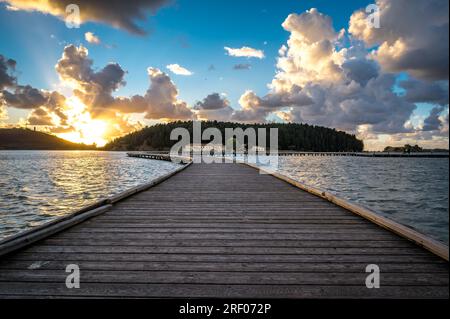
x: 24, y: 97
x: 118, y: 13
x: 7, y: 66
x: 425, y: 92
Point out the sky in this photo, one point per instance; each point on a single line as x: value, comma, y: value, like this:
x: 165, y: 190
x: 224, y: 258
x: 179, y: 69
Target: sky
x: 134, y: 63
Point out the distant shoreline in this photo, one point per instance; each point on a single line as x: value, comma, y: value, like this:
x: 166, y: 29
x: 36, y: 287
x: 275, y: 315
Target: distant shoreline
x: 376, y: 154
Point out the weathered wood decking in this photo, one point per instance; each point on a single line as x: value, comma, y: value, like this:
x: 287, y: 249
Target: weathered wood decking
x: 223, y: 230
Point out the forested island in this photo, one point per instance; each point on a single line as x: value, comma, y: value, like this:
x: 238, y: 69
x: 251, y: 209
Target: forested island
x: 294, y: 137
x: 26, y: 139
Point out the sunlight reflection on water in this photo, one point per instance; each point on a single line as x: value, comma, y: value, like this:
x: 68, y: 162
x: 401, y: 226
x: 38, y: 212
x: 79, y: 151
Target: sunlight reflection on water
x: 37, y: 186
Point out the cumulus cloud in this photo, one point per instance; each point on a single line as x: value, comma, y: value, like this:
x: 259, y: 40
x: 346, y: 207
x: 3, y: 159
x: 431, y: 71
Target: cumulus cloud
x: 413, y: 37
x: 214, y: 107
x: 444, y: 125
x: 7, y: 67
x: 160, y: 102
x: 251, y: 109
x: 3, y: 113
x: 434, y: 121
x: 310, y: 27
x: 40, y: 116
x: 245, y: 52
x: 242, y: 66
x: 93, y: 107
x: 425, y: 92
x: 92, y: 98
x: 323, y: 77
x: 93, y: 88
x: 50, y: 113
x: 308, y: 57
x: 92, y: 38
x: 360, y: 70
x: 178, y: 69
x: 11, y: 8
x: 212, y: 102
x: 24, y: 97
x: 41, y: 103
x: 162, y: 98
x: 318, y: 83
x: 118, y: 13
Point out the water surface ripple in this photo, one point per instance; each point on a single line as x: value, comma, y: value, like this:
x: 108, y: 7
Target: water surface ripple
x: 37, y: 186
x: 411, y: 191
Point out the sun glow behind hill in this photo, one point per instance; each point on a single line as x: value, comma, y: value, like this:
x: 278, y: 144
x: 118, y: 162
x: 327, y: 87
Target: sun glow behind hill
x: 84, y: 129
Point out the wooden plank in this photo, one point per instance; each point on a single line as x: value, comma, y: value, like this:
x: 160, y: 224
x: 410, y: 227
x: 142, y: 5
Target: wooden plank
x: 302, y: 229
x: 226, y: 267
x: 250, y: 212
x: 225, y: 250
x: 223, y: 225
x: 226, y: 278
x: 227, y: 243
x: 225, y: 258
x: 219, y: 291
x: 236, y: 235
x: 154, y: 220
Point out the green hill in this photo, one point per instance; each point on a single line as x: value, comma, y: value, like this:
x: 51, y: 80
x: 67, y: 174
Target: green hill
x: 25, y: 139
x: 295, y: 137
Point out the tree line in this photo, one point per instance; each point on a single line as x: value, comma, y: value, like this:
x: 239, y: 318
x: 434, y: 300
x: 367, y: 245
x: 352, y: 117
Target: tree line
x: 291, y: 136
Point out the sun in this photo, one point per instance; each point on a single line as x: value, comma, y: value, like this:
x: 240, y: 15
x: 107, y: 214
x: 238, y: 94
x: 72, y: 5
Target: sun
x: 87, y: 132
x: 85, y: 129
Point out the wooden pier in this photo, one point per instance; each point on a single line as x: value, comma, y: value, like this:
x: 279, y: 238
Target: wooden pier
x: 222, y: 230
x: 164, y: 156
x: 154, y: 156
x: 367, y: 154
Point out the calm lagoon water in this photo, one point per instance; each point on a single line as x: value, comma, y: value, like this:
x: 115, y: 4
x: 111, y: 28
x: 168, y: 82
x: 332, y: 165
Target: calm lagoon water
x: 37, y: 186
x: 412, y: 191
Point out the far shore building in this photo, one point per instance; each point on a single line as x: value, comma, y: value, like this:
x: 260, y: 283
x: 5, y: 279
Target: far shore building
x: 205, y: 148
x: 219, y: 148
x: 257, y: 149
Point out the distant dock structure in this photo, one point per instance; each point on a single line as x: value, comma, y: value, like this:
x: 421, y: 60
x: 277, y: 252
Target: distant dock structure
x: 164, y: 155
x: 367, y: 154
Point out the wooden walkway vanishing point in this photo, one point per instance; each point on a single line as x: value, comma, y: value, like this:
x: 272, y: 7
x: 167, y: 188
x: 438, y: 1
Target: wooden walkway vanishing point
x: 222, y: 230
